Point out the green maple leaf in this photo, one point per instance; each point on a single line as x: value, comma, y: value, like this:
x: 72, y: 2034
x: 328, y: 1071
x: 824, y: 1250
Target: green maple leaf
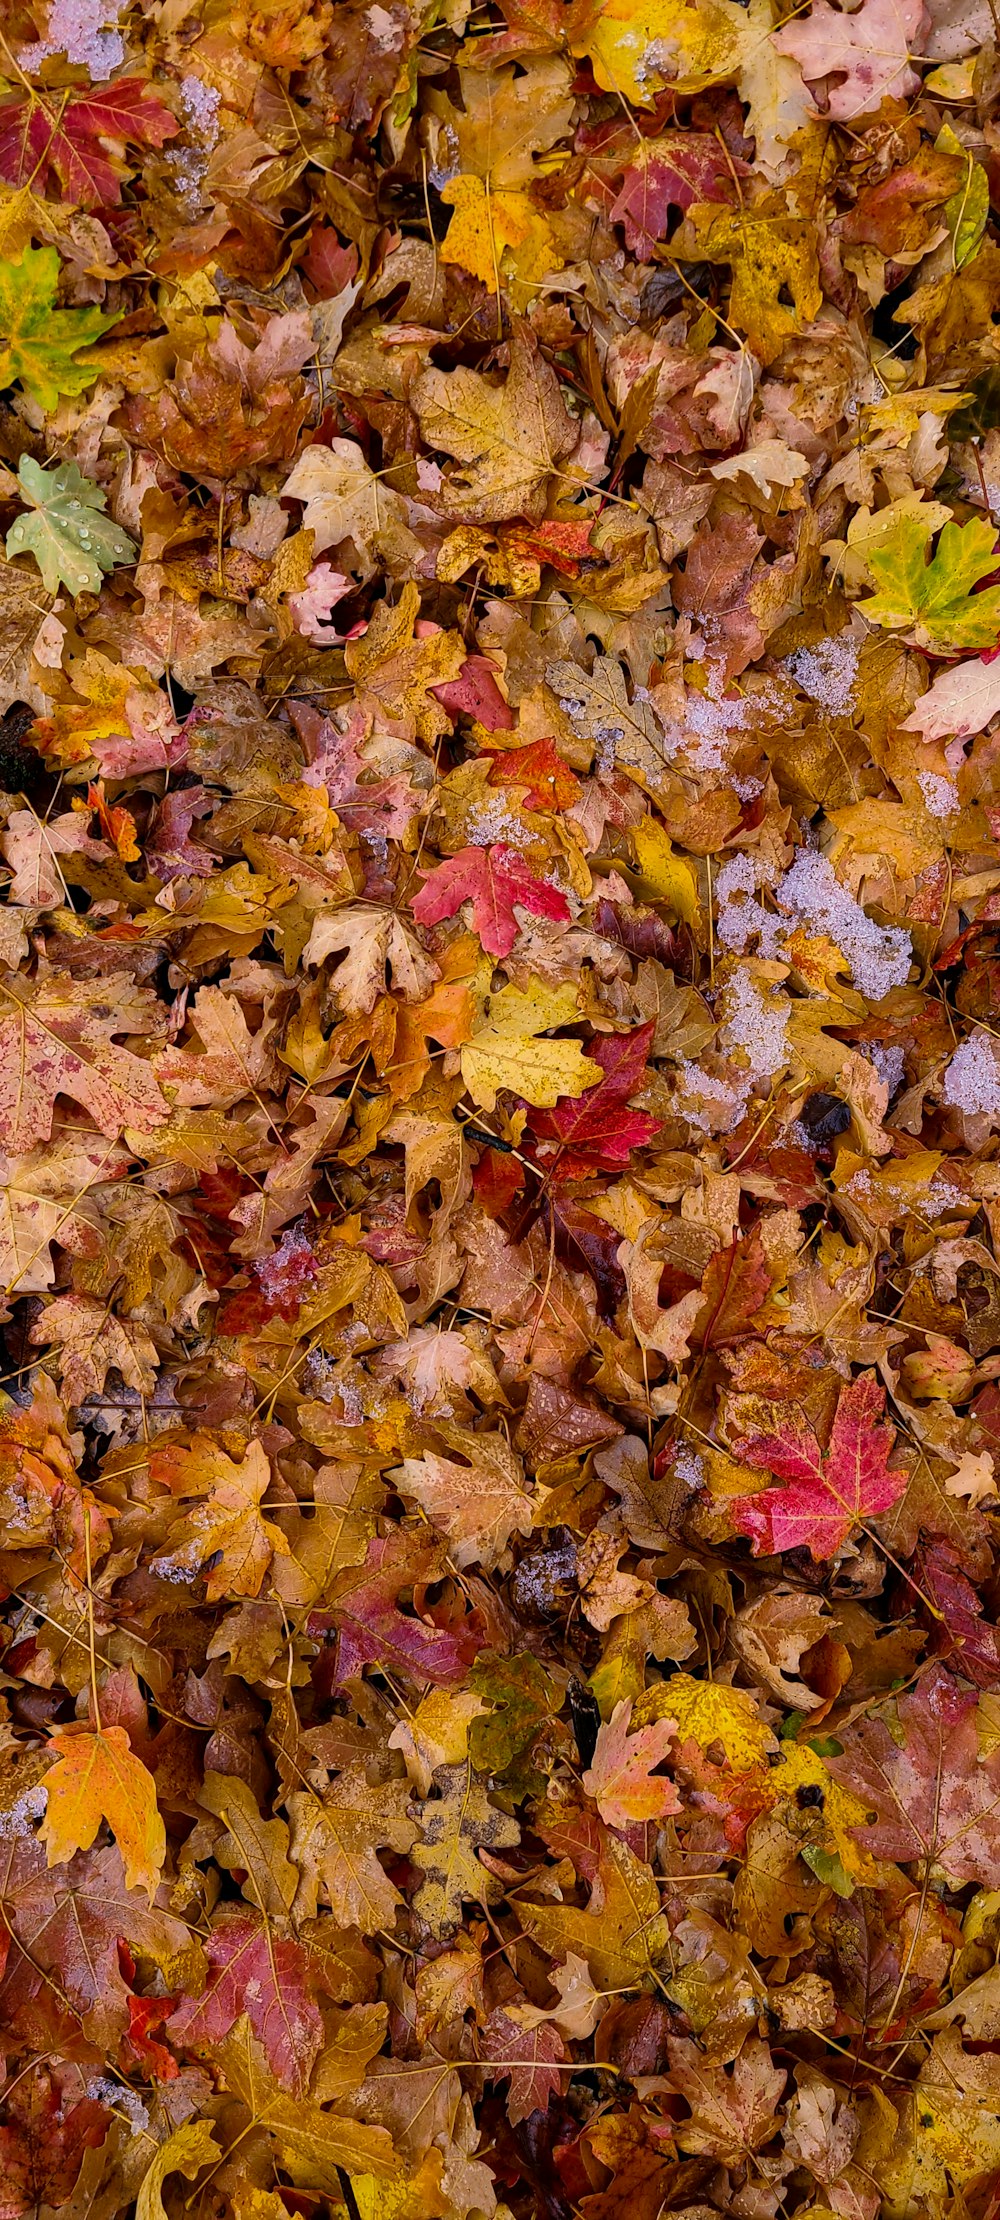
x: 933, y: 601
x: 38, y: 340
x: 64, y: 530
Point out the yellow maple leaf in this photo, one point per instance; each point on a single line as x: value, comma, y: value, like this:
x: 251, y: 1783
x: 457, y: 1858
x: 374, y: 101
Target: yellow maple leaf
x: 507, y: 1052
x: 669, y: 877
x: 228, y: 1539
x: 709, y: 1711
x: 769, y: 253
x: 498, y: 235
x: 103, y: 688
x: 831, y: 1820
x: 636, y: 47
x: 97, y: 1777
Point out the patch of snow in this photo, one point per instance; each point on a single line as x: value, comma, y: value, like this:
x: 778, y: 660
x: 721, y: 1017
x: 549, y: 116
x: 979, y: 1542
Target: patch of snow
x: 86, y: 31
x: 890, y: 1064
x: 740, y: 916
x: 494, y: 820
x: 757, y: 1024
x: 972, y: 1080
x: 879, y: 955
x: 201, y: 107
x: 123, y: 2099
x: 940, y: 794
x: 17, y: 1820
x: 828, y: 671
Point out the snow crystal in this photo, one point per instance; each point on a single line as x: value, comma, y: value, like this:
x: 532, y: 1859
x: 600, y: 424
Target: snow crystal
x: 972, y: 1080
x: 688, y: 1467
x: 201, y: 107
x: 757, y: 1024
x: 879, y: 955
x: 936, y: 1200
x: 658, y: 60
x: 709, y: 719
x: 494, y: 820
x: 122, y: 2099
x: 890, y: 1064
x: 740, y: 915
x: 86, y: 32
x: 827, y: 672
x: 731, y: 1100
x: 16, y: 1821
x: 940, y: 794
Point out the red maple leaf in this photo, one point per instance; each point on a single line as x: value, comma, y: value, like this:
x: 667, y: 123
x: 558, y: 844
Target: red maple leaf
x: 364, y: 1607
x: 539, y: 767
x: 268, y: 1977
x: 930, y: 1794
x: 827, y: 1494
x: 671, y: 172
x: 596, y: 1132
x: 492, y: 879
x: 475, y: 693
x: 68, y: 142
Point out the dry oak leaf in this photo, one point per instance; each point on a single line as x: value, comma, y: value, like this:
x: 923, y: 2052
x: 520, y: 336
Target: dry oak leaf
x: 228, y: 1538
x: 619, y: 1777
x: 399, y: 663
x: 512, y: 438
x: 456, y: 1822
x: 235, y: 1061
x: 477, y: 1505
x: 492, y: 880
x: 829, y: 1494
x: 90, y: 1339
x: 334, y: 1842
x: 931, y: 1799
x: 622, y: 1934
x: 267, y: 1975
x: 49, y: 1196
x: 56, y: 1039
x: 96, y: 1778
x: 229, y: 407
x: 732, y: 2112
x: 346, y: 503
x: 627, y: 734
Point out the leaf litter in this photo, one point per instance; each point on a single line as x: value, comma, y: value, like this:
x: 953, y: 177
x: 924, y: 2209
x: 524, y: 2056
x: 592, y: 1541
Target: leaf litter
x: 500, y: 1110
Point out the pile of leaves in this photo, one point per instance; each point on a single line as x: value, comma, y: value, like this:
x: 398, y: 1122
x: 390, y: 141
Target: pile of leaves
x: 500, y: 1110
